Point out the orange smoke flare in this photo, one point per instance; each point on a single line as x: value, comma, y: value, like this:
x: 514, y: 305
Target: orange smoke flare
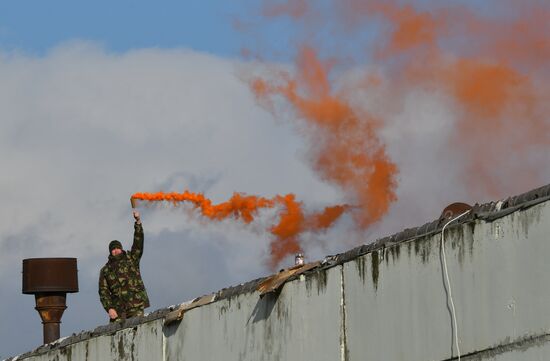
x: 239, y: 206
x: 495, y: 79
x: 494, y: 68
x: 347, y: 150
x: 286, y: 232
x: 326, y: 218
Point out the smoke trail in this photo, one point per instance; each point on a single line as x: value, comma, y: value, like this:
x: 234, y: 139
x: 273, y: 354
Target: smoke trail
x: 494, y: 68
x: 292, y: 219
x: 347, y: 151
x: 239, y: 206
x: 491, y: 82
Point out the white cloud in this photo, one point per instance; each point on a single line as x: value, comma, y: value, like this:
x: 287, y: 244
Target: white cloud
x: 82, y: 129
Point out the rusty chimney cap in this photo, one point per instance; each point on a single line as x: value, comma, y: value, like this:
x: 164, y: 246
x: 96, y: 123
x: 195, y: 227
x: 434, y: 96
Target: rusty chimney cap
x: 50, y: 275
x: 454, y: 209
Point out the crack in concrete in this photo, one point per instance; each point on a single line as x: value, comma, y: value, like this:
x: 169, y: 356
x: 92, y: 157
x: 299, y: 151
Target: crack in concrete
x: 344, y: 352
x: 520, y: 344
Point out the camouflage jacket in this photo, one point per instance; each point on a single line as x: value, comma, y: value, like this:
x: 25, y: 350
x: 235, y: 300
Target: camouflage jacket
x: 120, y: 283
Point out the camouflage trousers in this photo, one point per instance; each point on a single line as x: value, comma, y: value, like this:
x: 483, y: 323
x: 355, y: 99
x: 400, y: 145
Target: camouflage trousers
x: 137, y: 312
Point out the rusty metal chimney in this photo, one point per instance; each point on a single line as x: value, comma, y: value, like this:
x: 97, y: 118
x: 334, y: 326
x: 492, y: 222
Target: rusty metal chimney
x: 49, y: 280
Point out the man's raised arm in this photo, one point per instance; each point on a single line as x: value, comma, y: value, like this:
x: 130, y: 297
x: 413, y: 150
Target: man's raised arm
x: 137, y: 246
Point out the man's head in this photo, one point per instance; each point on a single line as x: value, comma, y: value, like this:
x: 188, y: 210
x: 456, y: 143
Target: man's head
x: 115, y: 248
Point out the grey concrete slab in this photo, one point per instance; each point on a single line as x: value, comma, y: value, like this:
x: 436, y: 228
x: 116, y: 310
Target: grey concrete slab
x: 303, y: 321
x: 141, y: 343
x: 396, y: 301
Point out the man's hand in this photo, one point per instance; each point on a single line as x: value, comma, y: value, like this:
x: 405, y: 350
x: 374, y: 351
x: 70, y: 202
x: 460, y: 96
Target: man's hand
x: 112, y: 313
x: 137, y: 217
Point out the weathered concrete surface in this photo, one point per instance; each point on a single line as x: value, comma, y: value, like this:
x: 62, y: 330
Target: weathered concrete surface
x: 526, y: 348
x: 143, y: 342
x: 390, y: 304
x: 397, y: 304
x: 541, y: 353
x: 303, y: 320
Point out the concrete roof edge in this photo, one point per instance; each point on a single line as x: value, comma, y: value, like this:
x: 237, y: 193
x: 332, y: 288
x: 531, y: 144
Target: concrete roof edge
x: 487, y: 211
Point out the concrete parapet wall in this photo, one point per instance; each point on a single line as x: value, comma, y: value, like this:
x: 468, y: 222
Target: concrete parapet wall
x: 247, y: 327
x: 389, y: 304
x: 142, y: 342
x: 397, y: 305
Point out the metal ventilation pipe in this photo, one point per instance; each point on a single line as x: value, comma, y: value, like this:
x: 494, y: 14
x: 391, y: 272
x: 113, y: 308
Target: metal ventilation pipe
x: 49, y: 280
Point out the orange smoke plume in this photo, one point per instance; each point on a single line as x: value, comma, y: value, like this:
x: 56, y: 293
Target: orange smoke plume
x: 292, y: 222
x: 495, y: 79
x: 347, y: 151
x: 494, y: 68
x: 238, y: 206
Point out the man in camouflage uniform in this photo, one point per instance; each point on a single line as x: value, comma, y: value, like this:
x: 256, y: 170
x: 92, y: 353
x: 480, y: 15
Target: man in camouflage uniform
x: 121, y: 288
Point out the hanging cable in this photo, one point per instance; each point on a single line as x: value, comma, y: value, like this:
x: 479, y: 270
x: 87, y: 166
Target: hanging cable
x: 455, y: 326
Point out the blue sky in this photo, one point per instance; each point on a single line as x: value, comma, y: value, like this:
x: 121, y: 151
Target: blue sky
x: 35, y: 27
x: 202, y: 25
